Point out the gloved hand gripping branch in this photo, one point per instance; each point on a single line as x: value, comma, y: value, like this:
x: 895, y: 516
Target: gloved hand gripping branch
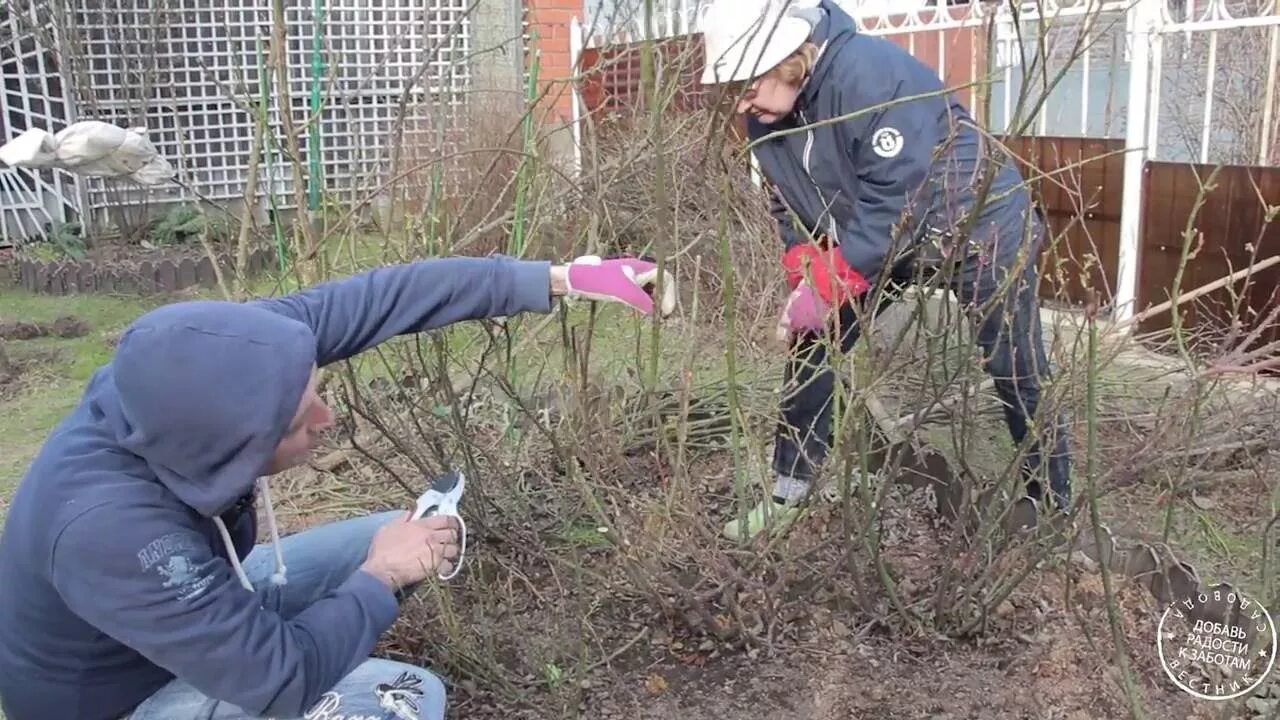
x: 820, y: 280
x: 630, y: 281
x: 442, y: 498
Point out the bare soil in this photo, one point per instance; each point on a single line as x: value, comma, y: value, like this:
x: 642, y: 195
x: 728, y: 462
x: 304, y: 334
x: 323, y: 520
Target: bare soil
x: 15, y: 366
x: 18, y: 374
x: 67, y: 326
x: 1035, y: 663
x: 518, y: 637
x: 121, y: 257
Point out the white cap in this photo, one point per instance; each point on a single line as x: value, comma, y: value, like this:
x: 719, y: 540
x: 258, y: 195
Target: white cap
x: 744, y: 39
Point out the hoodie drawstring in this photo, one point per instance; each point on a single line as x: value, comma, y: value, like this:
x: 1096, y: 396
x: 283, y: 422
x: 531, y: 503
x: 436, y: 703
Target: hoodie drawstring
x: 277, y: 578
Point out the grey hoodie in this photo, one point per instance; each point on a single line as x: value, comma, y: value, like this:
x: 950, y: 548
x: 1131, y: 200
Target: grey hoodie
x: 915, y: 164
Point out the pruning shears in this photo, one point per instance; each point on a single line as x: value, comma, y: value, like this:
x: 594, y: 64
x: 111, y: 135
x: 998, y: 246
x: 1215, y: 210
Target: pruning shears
x: 442, y: 498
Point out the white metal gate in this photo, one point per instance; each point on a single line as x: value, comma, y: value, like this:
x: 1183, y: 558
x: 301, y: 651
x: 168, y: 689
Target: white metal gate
x: 33, y: 95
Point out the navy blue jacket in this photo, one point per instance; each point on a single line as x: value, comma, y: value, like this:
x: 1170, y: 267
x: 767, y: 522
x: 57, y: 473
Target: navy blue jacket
x: 889, y: 178
x: 113, y: 578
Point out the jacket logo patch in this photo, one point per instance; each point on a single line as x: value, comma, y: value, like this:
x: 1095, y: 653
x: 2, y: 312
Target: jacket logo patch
x: 170, y: 557
x: 179, y: 572
x: 162, y: 548
x: 887, y: 142
x: 401, y: 696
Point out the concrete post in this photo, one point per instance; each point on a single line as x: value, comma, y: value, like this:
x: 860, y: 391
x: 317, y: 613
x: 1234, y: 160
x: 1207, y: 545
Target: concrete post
x: 497, y: 45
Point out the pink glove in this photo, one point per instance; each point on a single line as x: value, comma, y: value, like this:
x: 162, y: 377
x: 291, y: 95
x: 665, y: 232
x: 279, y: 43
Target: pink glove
x: 806, y: 311
x: 621, y: 280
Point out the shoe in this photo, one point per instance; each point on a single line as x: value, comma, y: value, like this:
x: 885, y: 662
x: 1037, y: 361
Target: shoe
x: 1024, y: 515
x: 767, y: 512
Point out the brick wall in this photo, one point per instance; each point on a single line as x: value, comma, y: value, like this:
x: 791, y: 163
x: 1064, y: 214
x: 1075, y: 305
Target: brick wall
x: 549, y: 21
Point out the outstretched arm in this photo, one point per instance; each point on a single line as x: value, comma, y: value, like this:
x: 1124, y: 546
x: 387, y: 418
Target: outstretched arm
x: 353, y: 314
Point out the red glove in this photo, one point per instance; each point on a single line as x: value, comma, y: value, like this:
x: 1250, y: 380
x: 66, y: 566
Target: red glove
x: 825, y: 269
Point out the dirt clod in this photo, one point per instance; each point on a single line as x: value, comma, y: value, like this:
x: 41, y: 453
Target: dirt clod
x: 70, y: 327
x: 18, y: 330
x: 67, y: 326
x: 16, y: 373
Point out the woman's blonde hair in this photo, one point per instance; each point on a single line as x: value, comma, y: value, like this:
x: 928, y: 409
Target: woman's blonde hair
x: 795, y: 68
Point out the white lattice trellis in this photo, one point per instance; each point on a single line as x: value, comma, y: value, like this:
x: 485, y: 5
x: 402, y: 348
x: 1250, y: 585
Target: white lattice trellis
x: 190, y: 71
x: 207, y: 75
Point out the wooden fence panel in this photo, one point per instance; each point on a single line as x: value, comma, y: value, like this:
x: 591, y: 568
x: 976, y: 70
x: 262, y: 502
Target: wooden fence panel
x: 1229, y: 230
x: 612, y: 75
x: 1076, y: 182
x: 957, y: 54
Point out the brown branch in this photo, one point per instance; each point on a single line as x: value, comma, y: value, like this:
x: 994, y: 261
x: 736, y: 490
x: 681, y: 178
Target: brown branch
x: 1198, y: 292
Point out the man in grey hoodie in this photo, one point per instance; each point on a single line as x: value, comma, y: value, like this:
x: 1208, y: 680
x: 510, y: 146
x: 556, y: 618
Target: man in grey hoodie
x: 130, y: 585
x: 877, y: 176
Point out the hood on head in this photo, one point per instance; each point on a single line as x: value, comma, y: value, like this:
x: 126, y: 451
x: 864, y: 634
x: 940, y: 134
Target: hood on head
x: 205, y: 391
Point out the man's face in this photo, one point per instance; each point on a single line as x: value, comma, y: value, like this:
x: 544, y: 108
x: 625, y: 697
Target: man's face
x: 768, y: 99
x: 311, y: 419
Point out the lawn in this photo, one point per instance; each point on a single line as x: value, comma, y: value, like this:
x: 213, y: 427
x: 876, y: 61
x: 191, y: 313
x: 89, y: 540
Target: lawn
x: 53, y: 370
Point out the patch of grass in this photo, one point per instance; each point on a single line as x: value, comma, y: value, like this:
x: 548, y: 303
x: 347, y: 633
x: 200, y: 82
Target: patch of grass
x: 54, y: 369
x: 585, y: 536
x: 1224, y: 548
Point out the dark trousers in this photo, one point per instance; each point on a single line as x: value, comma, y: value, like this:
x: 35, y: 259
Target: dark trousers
x: 1009, y: 334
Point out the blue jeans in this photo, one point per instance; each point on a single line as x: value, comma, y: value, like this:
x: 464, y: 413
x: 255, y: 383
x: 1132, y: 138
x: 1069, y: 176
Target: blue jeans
x: 1009, y: 334
x: 319, y: 560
